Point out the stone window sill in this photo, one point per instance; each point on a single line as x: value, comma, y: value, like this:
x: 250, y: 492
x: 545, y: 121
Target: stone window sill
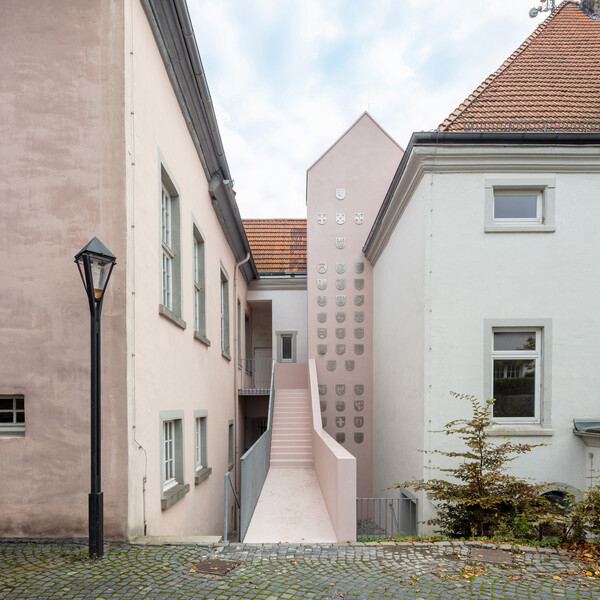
x: 520, y: 228
x: 201, y: 338
x: 202, y: 474
x: 525, y: 430
x: 226, y: 355
x: 169, y: 314
x: 174, y: 495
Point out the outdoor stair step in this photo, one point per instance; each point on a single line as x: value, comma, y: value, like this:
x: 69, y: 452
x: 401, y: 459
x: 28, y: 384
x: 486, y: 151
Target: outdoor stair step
x: 292, y: 463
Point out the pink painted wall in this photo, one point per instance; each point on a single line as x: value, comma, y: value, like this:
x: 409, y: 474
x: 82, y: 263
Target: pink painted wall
x: 335, y: 469
x: 62, y: 176
x: 340, y: 321
x: 291, y: 376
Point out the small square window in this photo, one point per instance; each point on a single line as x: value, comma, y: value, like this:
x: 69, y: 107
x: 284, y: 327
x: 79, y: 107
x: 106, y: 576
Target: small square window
x: 515, y: 207
x: 12, y: 414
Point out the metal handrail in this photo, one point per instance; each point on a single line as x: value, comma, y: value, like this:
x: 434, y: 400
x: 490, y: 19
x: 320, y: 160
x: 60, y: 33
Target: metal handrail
x: 386, y: 517
x: 254, y: 378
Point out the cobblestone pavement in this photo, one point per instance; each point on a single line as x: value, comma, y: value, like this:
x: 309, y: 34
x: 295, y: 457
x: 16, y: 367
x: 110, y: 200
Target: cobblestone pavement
x: 283, y: 572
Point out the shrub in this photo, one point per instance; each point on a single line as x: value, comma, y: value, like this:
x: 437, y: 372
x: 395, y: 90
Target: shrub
x: 481, y: 498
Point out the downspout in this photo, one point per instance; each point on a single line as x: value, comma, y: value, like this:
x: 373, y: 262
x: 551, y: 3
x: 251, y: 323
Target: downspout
x: 238, y: 475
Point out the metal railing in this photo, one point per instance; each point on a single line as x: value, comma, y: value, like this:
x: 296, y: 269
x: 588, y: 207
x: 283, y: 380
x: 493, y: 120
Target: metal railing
x: 226, y: 512
x: 255, y: 465
x: 256, y: 375
x: 386, y: 517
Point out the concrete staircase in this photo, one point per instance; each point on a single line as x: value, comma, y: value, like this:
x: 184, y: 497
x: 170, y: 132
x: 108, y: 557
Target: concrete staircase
x: 291, y: 442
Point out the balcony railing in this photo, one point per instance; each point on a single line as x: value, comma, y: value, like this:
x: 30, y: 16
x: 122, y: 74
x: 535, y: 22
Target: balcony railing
x: 256, y: 375
x: 386, y: 517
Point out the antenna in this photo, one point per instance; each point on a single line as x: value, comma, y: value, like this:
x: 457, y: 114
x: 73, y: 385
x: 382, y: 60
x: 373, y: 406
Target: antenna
x: 545, y: 6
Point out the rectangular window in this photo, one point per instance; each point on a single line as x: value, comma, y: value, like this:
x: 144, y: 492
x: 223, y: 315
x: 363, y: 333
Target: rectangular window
x: 286, y: 346
x: 247, y: 337
x: 520, y: 203
x: 200, y: 444
x: 230, y: 449
x: 167, y: 252
x: 224, y: 314
x: 12, y: 414
x: 199, y: 285
x: 172, y: 483
x: 516, y: 375
x: 239, y: 332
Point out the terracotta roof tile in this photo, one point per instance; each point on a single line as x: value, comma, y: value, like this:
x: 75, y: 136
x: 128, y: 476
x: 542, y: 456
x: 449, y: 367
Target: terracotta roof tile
x: 551, y: 82
x: 278, y: 245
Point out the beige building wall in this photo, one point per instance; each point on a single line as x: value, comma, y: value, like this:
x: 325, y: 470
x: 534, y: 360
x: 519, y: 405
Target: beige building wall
x: 173, y: 373
x: 345, y: 188
x: 62, y: 178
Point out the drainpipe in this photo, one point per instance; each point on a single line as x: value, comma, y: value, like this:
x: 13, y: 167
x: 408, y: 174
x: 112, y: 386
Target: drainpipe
x: 238, y: 474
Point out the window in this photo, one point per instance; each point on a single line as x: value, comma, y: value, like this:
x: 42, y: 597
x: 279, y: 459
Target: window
x: 202, y: 470
x: 230, y: 449
x: 239, y: 333
x: 224, y: 314
x: 170, y: 261
x: 199, y: 288
x: 518, y: 371
x: 173, y: 487
x: 286, y: 346
x: 247, y: 338
x: 12, y: 415
x: 520, y: 204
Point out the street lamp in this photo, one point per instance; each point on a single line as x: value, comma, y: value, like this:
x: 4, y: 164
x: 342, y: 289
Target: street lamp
x: 95, y: 262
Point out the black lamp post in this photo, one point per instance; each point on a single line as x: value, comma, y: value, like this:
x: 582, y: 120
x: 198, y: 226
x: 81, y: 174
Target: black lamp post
x: 95, y: 263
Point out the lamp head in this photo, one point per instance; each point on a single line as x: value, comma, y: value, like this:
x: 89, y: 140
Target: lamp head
x: 95, y: 263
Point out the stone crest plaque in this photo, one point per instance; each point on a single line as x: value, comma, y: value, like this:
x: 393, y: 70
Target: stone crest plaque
x: 359, y: 390
x: 322, y: 317
x: 322, y: 389
x: 331, y: 365
x: 340, y: 284
x: 340, y: 438
x: 359, y: 218
x: 340, y: 218
x: 340, y: 333
x: 340, y: 317
x: 321, y: 349
x: 321, y: 300
x: 359, y: 349
x: 323, y: 405
x: 340, y: 243
x: 359, y: 421
x: 349, y: 365
x: 321, y: 218
x: 359, y: 316
x: 321, y: 333
x: 359, y: 405
x: 340, y: 299
x: 340, y: 267
x: 322, y: 284
x: 340, y: 349
x: 340, y: 193
x: 359, y: 284
x: 359, y: 299
x: 359, y: 333
x: 359, y: 267
x: 340, y: 405
x: 340, y: 389
x: 322, y: 267
x: 359, y: 436
x: 340, y: 421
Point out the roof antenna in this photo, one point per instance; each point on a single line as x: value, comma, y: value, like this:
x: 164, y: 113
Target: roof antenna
x: 545, y: 6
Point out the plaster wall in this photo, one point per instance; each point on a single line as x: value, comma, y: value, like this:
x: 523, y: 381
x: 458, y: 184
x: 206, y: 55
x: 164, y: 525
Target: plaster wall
x: 288, y: 313
x: 170, y: 369
x: 399, y: 351
x: 62, y: 179
x: 478, y: 276
x: 339, y: 283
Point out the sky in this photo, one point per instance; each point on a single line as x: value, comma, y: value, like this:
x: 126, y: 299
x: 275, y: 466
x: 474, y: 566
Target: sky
x: 289, y: 77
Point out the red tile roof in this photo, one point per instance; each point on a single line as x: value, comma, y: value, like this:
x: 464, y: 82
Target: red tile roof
x: 551, y: 82
x: 278, y: 245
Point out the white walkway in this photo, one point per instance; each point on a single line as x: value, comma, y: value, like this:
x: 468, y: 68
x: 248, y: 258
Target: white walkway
x: 290, y: 509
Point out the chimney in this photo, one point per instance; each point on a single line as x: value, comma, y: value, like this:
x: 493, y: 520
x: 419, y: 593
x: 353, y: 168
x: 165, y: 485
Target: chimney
x: 592, y: 7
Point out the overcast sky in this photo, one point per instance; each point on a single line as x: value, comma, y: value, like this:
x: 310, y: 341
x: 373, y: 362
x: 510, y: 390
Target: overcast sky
x: 288, y: 77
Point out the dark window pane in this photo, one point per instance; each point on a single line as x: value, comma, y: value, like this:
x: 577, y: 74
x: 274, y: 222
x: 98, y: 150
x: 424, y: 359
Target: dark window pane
x: 514, y: 388
x: 6, y: 417
x: 20, y: 403
x: 6, y: 403
x: 521, y: 206
x: 514, y: 340
x: 20, y: 417
x: 286, y: 347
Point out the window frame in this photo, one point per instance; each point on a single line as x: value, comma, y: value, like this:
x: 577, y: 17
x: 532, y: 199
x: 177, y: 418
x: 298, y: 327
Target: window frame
x: 225, y: 318
x: 14, y: 428
x: 230, y: 445
x: 287, y: 334
x: 543, y: 187
x: 540, y: 424
x: 172, y: 483
x: 199, y: 283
